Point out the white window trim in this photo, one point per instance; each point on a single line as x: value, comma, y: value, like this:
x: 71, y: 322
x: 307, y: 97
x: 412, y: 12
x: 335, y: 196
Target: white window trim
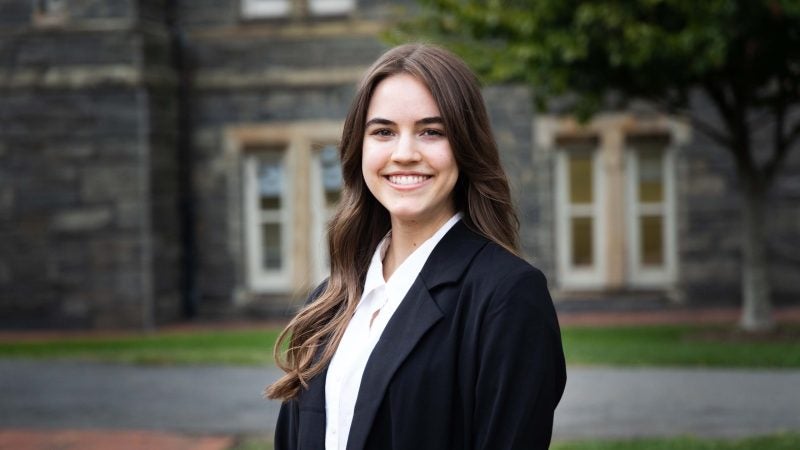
x: 571, y: 277
x: 299, y: 139
x: 640, y: 275
x: 260, y: 279
x: 258, y: 9
x: 273, y: 9
x: 331, y: 7
x: 546, y: 129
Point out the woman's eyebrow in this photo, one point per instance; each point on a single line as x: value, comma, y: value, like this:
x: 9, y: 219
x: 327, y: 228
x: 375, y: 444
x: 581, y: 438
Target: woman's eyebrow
x: 430, y: 120
x: 378, y: 121
x: 423, y: 121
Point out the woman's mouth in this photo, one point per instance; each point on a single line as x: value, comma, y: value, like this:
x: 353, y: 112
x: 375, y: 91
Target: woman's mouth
x: 407, y: 180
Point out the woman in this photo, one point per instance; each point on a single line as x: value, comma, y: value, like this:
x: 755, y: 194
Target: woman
x: 431, y: 333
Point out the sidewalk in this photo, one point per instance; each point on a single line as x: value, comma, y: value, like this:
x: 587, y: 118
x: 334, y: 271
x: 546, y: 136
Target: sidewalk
x: 676, y: 315
x: 107, y: 440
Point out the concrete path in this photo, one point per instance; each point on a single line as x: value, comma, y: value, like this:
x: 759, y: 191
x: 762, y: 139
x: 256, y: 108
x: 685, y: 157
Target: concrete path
x: 612, y: 402
x: 599, y: 402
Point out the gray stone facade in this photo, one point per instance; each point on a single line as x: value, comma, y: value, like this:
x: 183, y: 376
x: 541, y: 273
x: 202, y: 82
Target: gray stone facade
x: 711, y: 222
x: 86, y: 166
x: 91, y: 169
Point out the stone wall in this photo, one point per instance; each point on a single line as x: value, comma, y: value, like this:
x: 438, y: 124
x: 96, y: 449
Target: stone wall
x: 710, y: 227
x: 81, y: 157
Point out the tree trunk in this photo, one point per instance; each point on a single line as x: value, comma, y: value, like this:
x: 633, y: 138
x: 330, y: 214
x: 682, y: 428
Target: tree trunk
x: 756, y: 307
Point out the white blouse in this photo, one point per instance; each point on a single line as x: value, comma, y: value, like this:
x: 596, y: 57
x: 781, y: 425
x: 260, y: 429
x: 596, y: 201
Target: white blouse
x: 359, y: 339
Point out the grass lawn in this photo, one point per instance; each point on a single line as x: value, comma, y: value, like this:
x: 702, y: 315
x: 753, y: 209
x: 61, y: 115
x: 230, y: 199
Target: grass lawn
x: 658, y: 345
x: 681, y: 345
x: 770, y: 442
x: 239, y: 347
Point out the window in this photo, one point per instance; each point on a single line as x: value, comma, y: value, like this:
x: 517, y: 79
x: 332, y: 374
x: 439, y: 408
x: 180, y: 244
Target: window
x: 330, y: 7
x: 326, y: 174
x: 256, y: 9
x: 51, y: 6
x: 266, y: 8
x: 650, y: 204
x: 290, y: 184
x: 580, y: 214
x: 614, y: 200
x: 49, y: 12
x: 268, y: 213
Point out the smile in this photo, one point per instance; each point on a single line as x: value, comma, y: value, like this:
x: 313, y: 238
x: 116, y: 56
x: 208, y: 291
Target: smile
x: 405, y: 180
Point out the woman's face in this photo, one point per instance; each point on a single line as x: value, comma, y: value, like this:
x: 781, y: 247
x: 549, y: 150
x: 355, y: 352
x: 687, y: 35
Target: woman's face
x: 407, y: 161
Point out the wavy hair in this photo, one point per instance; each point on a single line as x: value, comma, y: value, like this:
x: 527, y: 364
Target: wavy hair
x: 481, y: 194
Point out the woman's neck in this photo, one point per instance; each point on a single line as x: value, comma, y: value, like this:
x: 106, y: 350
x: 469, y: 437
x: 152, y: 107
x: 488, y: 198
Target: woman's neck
x: 406, y: 237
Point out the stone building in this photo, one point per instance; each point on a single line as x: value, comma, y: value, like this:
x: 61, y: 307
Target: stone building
x: 160, y: 159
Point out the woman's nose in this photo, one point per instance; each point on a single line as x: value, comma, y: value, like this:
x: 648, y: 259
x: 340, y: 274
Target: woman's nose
x: 406, y: 149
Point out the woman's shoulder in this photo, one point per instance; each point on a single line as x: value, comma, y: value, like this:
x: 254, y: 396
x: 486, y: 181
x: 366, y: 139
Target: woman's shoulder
x: 497, y: 261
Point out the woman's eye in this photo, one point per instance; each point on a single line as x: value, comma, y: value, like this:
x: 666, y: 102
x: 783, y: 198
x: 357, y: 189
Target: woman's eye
x: 433, y: 132
x: 382, y: 132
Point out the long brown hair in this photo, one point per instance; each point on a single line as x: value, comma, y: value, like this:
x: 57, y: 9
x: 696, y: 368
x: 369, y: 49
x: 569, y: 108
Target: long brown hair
x: 481, y: 194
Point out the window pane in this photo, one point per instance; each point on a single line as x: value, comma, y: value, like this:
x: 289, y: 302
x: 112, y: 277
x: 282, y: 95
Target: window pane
x: 580, y: 177
x: 330, y: 7
x: 651, y: 230
x: 331, y: 169
x: 331, y: 175
x: 51, y: 6
x: 266, y: 8
x: 270, y: 180
x: 651, y: 183
x: 271, y: 240
x: 581, y: 229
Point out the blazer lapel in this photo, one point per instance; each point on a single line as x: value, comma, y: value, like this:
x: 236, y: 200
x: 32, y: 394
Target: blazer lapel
x: 417, y: 313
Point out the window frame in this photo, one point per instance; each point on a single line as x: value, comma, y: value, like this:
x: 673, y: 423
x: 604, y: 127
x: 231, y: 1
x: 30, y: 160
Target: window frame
x: 641, y: 275
x: 320, y: 216
x: 571, y: 276
x: 299, y: 139
x: 260, y: 278
x: 259, y: 9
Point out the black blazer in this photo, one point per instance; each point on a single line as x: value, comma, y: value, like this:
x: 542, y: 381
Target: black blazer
x: 471, y: 359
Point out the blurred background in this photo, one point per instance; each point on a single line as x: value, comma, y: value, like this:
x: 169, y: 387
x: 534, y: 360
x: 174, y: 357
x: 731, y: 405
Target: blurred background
x: 170, y: 167
x: 167, y: 160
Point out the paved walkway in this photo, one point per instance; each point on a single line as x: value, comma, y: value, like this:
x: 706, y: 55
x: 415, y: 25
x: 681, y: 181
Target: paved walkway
x: 198, y: 407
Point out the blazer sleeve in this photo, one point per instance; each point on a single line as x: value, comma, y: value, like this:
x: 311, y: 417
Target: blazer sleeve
x: 521, y: 372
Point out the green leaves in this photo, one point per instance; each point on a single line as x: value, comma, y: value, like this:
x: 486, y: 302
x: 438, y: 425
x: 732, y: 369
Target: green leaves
x: 647, y: 48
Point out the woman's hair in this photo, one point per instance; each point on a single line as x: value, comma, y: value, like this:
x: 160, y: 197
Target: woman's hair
x: 481, y: 194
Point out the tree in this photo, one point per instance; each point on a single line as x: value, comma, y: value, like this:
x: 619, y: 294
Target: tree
x: 743, y: 55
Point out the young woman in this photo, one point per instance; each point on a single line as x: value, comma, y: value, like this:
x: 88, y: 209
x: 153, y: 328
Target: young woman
x: 430, y: 333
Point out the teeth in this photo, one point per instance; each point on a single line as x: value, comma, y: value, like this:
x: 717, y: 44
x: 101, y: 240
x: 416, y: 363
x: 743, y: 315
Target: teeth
x: 407, y: 179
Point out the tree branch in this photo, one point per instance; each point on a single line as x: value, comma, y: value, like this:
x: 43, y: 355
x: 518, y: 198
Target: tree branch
x: 779, y: 140
x: 781, y: 151
x: 713, y: 133
x: 739, y: 133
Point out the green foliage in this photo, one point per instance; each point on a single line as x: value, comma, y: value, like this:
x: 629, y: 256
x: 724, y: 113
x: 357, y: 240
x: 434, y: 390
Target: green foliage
x: 655, y: 49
